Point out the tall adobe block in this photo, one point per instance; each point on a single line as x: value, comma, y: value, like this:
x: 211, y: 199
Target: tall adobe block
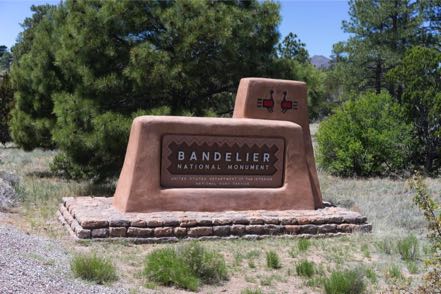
x: 284, y: 100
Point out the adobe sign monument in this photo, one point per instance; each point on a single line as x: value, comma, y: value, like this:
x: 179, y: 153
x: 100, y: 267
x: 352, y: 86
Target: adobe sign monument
x: 192, y: 177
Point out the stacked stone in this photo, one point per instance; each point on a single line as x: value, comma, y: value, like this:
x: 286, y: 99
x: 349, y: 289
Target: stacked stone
x: 95, y: 218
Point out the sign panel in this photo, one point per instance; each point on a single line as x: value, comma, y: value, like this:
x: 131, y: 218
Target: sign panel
x: 221, y: 162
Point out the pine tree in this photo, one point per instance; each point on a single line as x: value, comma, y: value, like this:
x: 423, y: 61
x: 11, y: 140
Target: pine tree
x: 293, y: 48
x: 6, y: 102
x: 420, y: 76
x: 381, y: 31
x: 85, y: 68
x: 35, y: 78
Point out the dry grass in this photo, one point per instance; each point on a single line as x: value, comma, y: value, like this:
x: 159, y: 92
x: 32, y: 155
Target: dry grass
x: 386, y: 202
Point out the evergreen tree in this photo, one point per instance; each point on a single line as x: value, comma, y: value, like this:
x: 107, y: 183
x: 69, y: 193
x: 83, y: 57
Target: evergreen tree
x: 381, y: 31
x: 6, y: 101
x: 84, y: 69
x: 293, y: 48
x: 35, y: 78
x: 431, y: 30
x: 377, y: 56
x: 420, y: 76
x: 5, y: 58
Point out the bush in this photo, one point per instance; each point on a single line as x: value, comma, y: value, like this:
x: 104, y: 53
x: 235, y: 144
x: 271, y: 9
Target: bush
x: 303, y: 244
x: 273, y: 260
x: 408, y: 248
x: 345, y: 282
x: 365, y: 137
x: 386, y: 246
x: 186, y: 267
x: 371, y: 275
x: 93, y: 268
x: 394, y: 272
x: 431, y: 209
x: 209, y: 266
x: 164, y: 266
x: 99, y: 155
x: 251, y: 291
x: 305, y: 268
x: 412, y: 267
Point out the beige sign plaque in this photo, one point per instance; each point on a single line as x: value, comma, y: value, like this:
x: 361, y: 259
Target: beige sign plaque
x: 221, y: 162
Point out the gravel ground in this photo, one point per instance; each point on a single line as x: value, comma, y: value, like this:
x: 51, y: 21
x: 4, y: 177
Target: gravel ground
x: 32, y: 264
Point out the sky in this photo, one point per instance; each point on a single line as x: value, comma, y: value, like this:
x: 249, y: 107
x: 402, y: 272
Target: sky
x: 316, y: 22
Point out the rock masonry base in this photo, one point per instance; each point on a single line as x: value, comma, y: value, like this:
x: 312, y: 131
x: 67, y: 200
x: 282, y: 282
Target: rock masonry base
x: 95, y: 218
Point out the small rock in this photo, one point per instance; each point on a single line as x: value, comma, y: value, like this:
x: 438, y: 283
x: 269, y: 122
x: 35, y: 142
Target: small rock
x: 241, y: 220
x: 100, y: 233
x: 308, y: 229
x: 153, y: 223
x: 237, y: 230
x: 8, y: 197
x: 274, y: 229
x: 119, y: 223
x: 255, y: 229
x: 200, y: 231
x: 163, y: 232
x: 188, y: 222
x: 117, y: 231
x: 180, y: 232
x: 222, y: 221
x: 326, y: 229
x: 94, y: 224
x: 366, y: 228
x: 11, y: 178
x: 346, y: 228
x: 139, y: 232
x: 138, y: 223
x: 292, y: 229
x: 221, y: 230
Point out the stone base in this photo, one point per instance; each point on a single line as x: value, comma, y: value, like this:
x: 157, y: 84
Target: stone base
x: 96, y: 218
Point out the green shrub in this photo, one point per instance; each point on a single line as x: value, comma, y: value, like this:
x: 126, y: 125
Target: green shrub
x: 408, y: 248
x: 371, y: 275
x: 207, y: 265
x: 165, y: 267
x: 90, y: 267
x: 345, y: 282
x: 268, y: 280
x: 273, y: 260
x: 186, y: 266
x: 251, y: 291
x: 304, y: 244
x: 394, y: 272
x: 365, y: 250
x: 386, y: 246
x: 431, y: 209
x: 251, y: 263
x: 412, y: 267
x: 365, y: 137
x: 305, y: 268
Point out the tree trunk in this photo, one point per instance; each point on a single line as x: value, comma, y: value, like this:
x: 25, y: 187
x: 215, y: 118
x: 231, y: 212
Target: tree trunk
x: 378, y: 72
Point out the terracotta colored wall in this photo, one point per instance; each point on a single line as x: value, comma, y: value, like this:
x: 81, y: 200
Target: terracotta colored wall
x: 139, y: 188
